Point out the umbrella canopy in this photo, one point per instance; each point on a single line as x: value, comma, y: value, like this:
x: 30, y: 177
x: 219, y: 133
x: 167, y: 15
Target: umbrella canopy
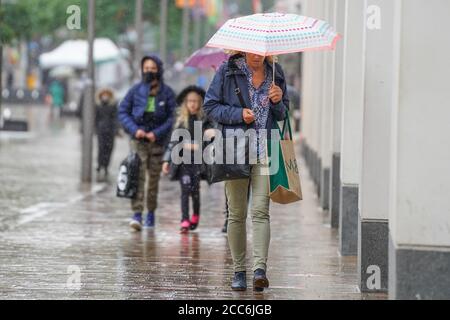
x: 206, y: 58
x: 274, y: 33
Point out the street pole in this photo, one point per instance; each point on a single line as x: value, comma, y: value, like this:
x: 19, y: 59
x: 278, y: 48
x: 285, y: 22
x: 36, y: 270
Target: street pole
x: 197, y: 25
x: 1, y: 82
x: 88, y: 105
x: 206, y: 30
x: 1, y: 78
x: 139, y: 36
x: 163, y: 31
x: 185, y: 30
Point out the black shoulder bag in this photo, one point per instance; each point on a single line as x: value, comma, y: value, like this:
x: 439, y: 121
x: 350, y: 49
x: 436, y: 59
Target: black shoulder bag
x: 231, y: 171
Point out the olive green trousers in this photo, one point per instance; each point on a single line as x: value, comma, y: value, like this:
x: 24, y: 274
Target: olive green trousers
x: 237, y: 197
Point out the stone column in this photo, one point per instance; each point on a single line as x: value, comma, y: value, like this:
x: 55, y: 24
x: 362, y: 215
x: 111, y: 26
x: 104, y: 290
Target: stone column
x: 327, y: 115
x: 352, y: 115
x: 419, y: 211
x: 373, y: 229
x: 338, y: 95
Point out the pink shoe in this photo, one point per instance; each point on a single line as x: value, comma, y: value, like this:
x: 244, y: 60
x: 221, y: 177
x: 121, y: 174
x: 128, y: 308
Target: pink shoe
x: 194, y: 221
x: 185, y: 225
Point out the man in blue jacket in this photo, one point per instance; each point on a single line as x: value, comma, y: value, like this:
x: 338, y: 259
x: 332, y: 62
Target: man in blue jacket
x: 146, y: 113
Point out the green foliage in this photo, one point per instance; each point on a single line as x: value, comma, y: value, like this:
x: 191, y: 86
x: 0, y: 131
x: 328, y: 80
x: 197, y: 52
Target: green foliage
x: 26, y: 19
x: 14, y: 22
x: 113, y: 17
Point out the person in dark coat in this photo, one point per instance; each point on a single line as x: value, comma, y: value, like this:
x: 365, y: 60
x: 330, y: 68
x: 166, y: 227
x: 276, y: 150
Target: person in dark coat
x: 106, y: 126
x: 146, y: 114
x: 265, y: 101
x: 190, y: 117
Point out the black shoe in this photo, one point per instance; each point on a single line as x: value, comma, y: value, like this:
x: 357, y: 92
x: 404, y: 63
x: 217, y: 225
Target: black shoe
x: 239, y: 281
x: 260, y: 280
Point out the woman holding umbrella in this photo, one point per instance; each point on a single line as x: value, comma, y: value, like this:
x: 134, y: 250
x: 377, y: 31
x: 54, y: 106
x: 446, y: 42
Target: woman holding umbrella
x: 263, y: 87
x: 266, y: 102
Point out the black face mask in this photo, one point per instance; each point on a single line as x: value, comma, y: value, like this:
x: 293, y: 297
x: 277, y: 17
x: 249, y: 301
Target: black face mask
x: 148, y: 77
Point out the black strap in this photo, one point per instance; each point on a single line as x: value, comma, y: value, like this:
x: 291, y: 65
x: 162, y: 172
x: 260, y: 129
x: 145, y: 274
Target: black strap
x: 237, y: 90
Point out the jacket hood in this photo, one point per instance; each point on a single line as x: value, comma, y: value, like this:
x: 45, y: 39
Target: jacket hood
x: 158, y: 62
x: 105, y: 90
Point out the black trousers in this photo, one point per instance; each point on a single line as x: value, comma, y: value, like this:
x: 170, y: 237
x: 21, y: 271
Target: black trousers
x: 105, y: 148
x: 190, y: 188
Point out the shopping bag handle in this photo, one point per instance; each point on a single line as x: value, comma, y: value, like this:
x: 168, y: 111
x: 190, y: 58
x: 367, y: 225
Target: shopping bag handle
x: 286, y: 123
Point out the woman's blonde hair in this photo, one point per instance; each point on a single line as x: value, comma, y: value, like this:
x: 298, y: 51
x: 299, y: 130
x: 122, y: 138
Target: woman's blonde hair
x: 183, y: 113
x: 269, y: 59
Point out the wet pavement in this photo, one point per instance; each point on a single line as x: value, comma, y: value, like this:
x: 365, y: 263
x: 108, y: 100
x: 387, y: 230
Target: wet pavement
x: 63, y: 240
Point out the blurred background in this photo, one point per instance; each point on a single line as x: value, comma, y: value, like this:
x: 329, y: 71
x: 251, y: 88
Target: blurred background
x: 45, y: 69
x: 46, y: 158
x: 44, y: 59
